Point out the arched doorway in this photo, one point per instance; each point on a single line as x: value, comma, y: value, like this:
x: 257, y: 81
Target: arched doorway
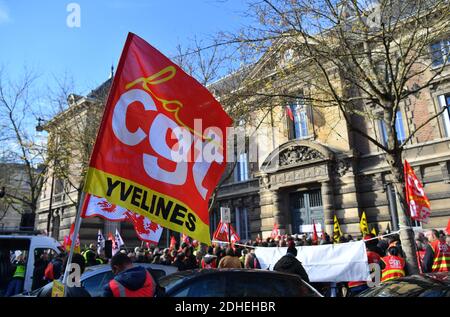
x: 298, y: 176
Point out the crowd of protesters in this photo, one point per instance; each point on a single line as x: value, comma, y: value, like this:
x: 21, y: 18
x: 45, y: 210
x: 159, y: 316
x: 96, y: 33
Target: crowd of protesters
x: 193, y: 255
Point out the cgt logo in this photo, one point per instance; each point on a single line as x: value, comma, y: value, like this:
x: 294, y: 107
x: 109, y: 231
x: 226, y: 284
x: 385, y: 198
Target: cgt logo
x: 189, y: 145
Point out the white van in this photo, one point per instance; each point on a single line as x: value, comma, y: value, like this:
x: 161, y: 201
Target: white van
x: 32, y: 247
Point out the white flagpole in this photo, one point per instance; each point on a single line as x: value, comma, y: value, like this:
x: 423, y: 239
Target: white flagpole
x: 74, y: 239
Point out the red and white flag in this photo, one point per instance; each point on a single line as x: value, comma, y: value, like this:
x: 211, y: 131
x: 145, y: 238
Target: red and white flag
x: 289, y: 113
x: 275, y: 231
x: 146, y: 230
x: 221, y: 233
x: 115, y: 249
x: 70, y: 239
x: 315, y: 237
x: 119, y: 240
x: 418, y: 203
x: 185, y: 239
x: 234, y: 236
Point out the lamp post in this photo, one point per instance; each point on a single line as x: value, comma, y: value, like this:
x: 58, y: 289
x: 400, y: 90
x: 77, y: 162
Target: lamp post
x: 40, y: 128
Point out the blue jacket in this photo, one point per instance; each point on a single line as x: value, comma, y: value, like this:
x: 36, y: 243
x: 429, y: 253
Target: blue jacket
x: 132, y: 279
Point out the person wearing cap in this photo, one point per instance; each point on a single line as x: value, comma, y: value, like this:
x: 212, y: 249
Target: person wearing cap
x: 209, y: 260
x: 290, y: 264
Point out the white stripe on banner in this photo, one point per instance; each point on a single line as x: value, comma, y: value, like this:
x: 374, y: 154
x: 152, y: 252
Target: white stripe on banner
x: 342, y: 262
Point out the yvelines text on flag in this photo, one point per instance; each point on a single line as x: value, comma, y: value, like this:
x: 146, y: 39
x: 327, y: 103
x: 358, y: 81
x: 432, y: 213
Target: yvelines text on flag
x: 160, y: 150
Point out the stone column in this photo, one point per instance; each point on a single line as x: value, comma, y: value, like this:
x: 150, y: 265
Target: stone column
x: 328, y: 205
x: 264, y: 223
x: 278, y: 211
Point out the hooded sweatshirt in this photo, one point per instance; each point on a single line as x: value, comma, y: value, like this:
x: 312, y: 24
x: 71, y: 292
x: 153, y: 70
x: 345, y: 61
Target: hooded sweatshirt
x: 132, y: 279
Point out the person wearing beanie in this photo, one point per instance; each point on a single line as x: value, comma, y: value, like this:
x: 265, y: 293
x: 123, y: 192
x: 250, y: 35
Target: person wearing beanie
x: 290, y: 264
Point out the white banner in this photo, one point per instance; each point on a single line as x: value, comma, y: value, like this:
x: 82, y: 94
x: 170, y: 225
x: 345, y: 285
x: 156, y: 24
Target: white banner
x: 342, y: 262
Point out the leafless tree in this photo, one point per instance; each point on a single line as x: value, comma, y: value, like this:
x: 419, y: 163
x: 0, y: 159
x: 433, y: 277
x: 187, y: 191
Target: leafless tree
x: 365, y: 58
x: 24, y: 154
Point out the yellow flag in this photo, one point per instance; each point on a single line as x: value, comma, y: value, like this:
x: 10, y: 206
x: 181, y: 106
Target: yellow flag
x: 57, y: 289
x: 363, y: 226
x: 337, y: 233
x: 374, y: 231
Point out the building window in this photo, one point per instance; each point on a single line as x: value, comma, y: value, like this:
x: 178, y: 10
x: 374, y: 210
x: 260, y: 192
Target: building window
x: 55, y: 227
x: 440, y: 52
x: 58, y: 194
x: 399, y: 128
x: 444, y: 101
x: 242, y: 223
x: 299, y: 126
x: 242, y: 168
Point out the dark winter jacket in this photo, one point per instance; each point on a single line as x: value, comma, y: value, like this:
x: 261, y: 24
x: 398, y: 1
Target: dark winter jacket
x: 38, y: 274
x: 427, y: 262
x: 190, y: 263
x: 132, y: 279
x: 179, y: 264
x: 290, y: 264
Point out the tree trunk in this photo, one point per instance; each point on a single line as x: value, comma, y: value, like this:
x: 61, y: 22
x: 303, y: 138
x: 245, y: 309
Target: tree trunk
x: 406, y: 233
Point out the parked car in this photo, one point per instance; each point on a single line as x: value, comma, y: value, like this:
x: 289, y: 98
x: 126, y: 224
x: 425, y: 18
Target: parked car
x: 33, y: 247
x: 95, y: 278
x: 235, y: 283
x: 423, y: 285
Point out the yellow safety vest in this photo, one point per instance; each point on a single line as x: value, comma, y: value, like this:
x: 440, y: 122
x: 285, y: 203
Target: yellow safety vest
x: 20, y: 271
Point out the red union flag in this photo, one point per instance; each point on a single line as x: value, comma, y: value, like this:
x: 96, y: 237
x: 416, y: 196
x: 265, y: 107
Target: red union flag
x: 221, y: 233
x: 160, y: 149
x: 418, y: 203
x: 275, y: 231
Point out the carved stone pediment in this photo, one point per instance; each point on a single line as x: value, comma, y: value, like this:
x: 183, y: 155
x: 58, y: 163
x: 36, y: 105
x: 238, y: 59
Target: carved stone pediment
x: 298, y: 154
x: 295, y: 153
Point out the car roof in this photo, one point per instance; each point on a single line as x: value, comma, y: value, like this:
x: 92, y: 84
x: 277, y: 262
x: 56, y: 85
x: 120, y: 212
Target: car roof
x: 428, y: 280
x: 199, y: 272
x: 100, y: 268
x: 192, y: 274
x: 435, y: 278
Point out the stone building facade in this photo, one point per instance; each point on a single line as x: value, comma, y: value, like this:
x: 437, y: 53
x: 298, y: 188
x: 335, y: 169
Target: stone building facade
x: 325, y: 169
x: 14, y: 214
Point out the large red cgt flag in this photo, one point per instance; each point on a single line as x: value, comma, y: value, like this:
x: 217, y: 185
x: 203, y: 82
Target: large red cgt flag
x: 418, y: 203
x: 160, y: 150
